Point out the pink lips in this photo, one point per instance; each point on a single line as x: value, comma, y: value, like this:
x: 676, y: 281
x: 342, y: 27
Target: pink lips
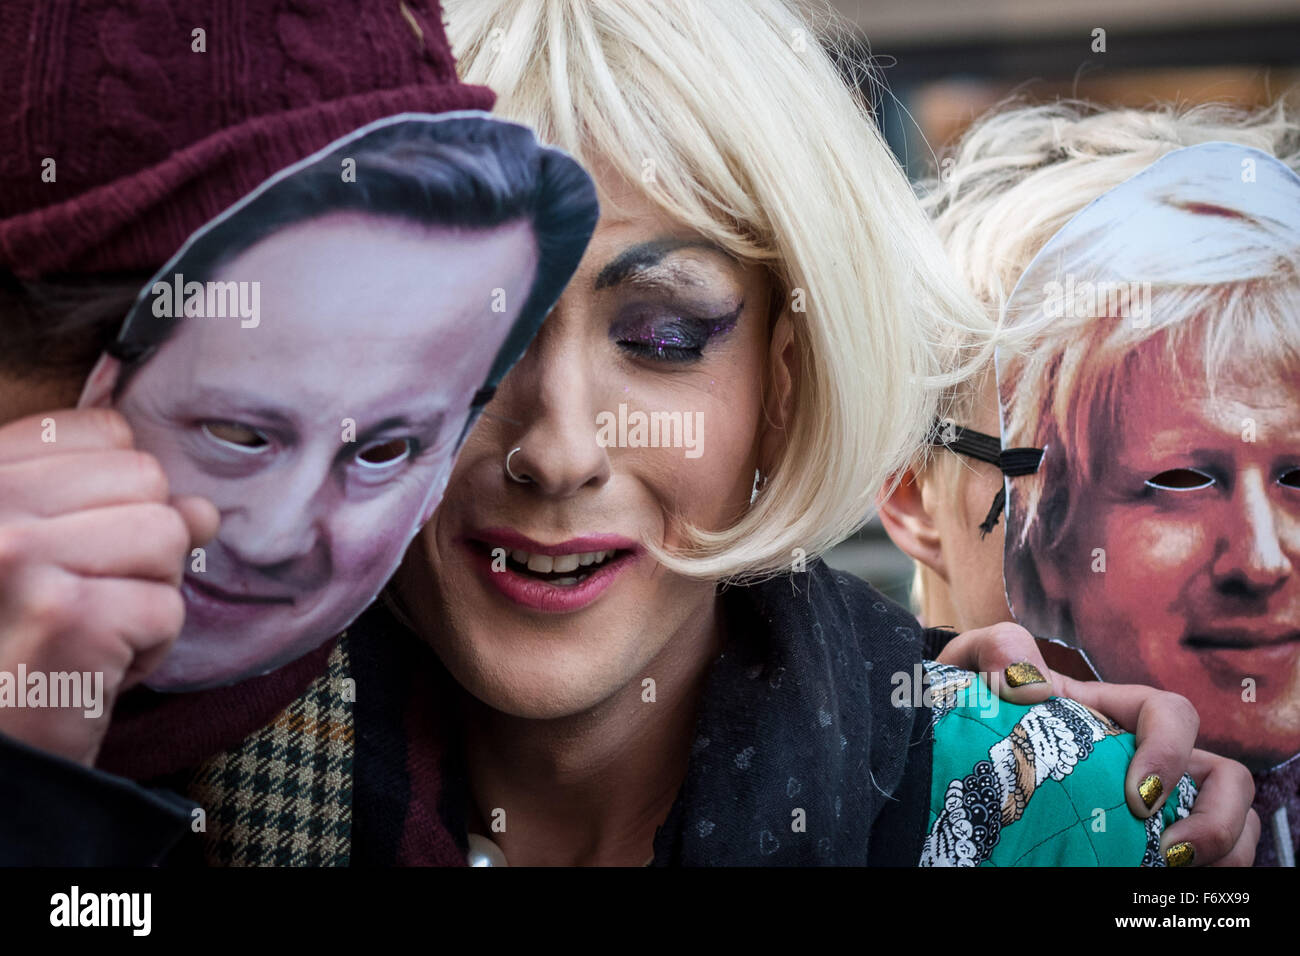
x: 539, y: 595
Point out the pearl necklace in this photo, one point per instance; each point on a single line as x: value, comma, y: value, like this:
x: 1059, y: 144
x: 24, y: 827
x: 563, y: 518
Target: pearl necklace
x: 483, y: 852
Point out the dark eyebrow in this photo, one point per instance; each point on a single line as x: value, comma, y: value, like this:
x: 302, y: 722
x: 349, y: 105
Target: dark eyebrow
x: 643, y: 255
x: 427, y: 432
x: 233, y: 404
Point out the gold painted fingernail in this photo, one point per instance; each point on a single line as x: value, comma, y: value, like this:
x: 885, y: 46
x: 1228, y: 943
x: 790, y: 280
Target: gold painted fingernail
x: 1180, y: 854
x: 1150, y: 789
x: 1022, y: 673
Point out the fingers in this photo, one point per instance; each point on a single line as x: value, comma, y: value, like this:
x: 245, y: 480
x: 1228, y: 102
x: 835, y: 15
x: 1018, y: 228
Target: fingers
x: 67, y: 621
x: 41, y: 487
x: 63, y: 432
x: 1009, y: 658
x: 1165, y: 725
x: 133, y: 541
x: 200, y: 516
x: 1243, y: 854
x: 151, y: 628
x: 1221, y: 817
x: 75, y: 481
x: 1166, y: 733
x: 91, y: 554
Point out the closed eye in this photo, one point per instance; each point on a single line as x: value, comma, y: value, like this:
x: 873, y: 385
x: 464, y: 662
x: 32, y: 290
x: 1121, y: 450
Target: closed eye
x: 1180, y: 479
x: 239, y: 437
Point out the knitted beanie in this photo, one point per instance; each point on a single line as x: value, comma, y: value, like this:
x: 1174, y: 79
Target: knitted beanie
x: 124, y: 126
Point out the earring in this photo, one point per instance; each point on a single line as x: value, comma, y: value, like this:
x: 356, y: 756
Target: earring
x: 760, y: 482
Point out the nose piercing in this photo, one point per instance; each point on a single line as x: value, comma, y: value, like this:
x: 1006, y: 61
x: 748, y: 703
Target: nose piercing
x: 513, y: 476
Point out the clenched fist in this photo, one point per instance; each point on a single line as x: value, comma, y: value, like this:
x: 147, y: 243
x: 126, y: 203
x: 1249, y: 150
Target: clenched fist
x: 92, y: 550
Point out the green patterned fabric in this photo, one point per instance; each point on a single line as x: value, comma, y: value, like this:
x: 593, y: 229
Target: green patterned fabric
x: 1032, y: 786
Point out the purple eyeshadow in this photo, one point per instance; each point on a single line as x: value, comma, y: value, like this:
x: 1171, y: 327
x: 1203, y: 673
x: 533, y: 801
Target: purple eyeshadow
x: 672, y: 335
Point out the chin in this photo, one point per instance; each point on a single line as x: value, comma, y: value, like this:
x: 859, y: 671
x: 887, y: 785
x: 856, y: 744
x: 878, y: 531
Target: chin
x: 544, y: 682
x: 185, y: 669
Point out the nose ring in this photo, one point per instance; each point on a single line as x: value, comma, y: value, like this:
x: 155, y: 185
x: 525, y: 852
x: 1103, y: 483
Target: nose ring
x: 513, y: 476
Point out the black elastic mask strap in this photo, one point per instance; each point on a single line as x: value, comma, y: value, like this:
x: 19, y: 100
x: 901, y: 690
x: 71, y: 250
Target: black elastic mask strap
x: 1012, y: 462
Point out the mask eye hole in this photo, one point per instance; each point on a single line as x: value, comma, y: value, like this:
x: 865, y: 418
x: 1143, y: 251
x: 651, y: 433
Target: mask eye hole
x: 1291, y: 479
x: 235, y: 435
x: 1180, y: 479
x: 385, y: 453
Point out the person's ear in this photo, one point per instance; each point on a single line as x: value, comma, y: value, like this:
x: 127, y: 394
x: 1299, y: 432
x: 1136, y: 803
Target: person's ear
x: 779, y: 400
x: 98, y: 391
x: 905, y: 513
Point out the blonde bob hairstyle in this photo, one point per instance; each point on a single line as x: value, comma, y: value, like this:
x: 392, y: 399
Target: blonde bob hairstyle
x: 1021, y: 172
x: 758, y: 144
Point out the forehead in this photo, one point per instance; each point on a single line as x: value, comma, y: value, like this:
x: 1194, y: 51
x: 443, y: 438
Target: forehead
x: 1164, y: 412
x: 363, y: 300
x: 370, y: 272
x: 629, y: 217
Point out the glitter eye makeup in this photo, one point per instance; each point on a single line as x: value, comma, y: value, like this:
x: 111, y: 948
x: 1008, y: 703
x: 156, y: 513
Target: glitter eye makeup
x: 666, y: 335
x: 669, y: 282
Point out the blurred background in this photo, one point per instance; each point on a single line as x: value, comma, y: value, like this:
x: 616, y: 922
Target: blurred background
x: 945, y: 62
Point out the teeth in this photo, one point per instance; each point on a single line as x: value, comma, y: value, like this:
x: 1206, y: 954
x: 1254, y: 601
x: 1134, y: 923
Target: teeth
x: 542, y: 563
x: 559, y: 563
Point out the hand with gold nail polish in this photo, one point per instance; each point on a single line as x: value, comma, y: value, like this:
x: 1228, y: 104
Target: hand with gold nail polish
x: 1008, y: 657
x: 1222, y: 829
x: 1165, y: 726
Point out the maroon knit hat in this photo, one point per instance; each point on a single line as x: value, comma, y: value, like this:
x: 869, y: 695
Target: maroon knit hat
x: 150, y: 139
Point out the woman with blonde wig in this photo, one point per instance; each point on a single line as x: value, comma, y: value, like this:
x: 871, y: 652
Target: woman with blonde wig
x: 647, y: 661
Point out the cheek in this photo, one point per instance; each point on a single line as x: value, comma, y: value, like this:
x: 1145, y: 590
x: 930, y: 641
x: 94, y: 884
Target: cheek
x: 470, y: 468
x: 368, y: 536
x: 708, y: 481
x: 973, y: 559
x: 1149, y: 558
x: 167, y: 443
x: 1161, y: 546
x: 1129, y: 616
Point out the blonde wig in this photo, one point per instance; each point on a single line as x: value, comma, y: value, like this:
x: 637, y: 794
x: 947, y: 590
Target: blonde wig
x: 732, y: 118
